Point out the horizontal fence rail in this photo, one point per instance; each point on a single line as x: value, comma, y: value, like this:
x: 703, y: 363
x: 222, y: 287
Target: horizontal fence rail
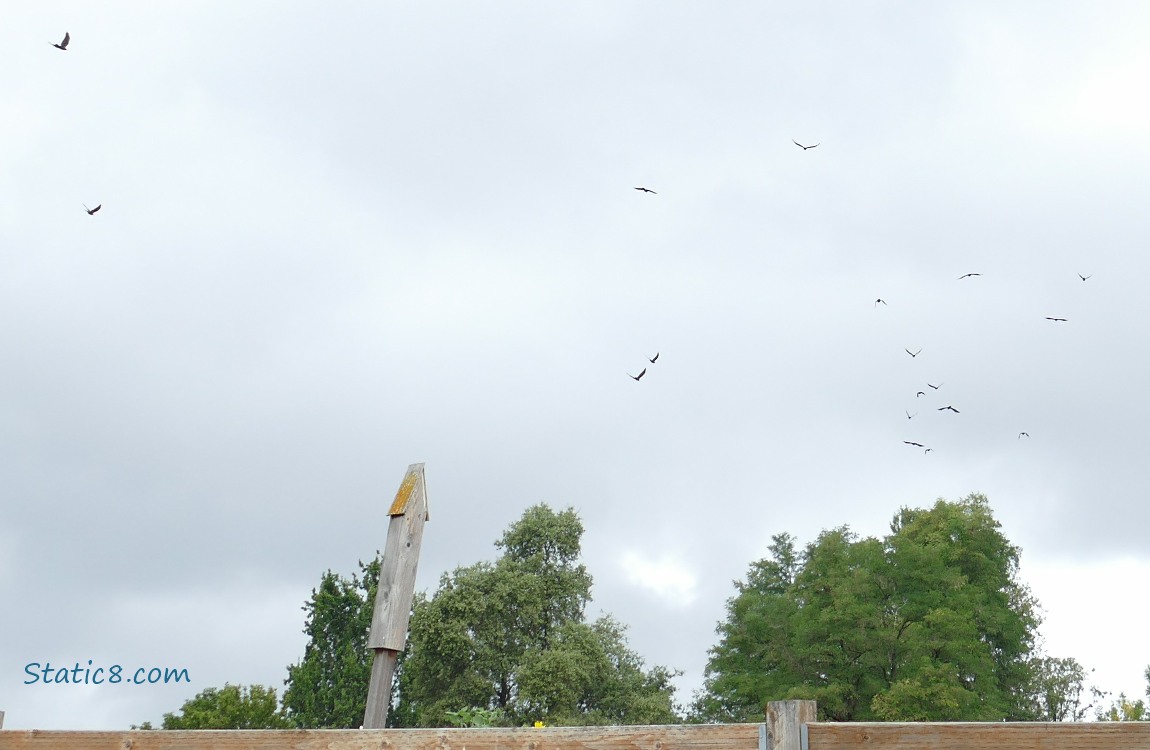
x: 1102, y: 735
x: 789, y: 726
x: 661, y: 737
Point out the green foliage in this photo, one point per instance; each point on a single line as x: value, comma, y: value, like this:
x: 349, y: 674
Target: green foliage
x: 928, y: 623
x: 510, y: 637
x: 474, y: 717
x: 1124, y: 709
x: 1057, y: 690
x: 328, y: 687
x: 229, y: 707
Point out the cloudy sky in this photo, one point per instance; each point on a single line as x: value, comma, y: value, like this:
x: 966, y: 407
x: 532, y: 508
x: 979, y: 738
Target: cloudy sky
x: 335, y: 242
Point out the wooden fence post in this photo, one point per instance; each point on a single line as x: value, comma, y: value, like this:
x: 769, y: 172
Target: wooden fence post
x: 785, y: 723
x: 1, y: 719
x: 395, y: 592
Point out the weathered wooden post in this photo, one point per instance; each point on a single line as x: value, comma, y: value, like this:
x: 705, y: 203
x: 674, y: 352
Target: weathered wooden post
x: 396, y: 588
x: 785, y: 720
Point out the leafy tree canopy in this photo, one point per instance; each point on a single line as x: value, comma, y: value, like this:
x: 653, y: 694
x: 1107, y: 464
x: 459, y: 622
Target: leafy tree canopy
x: 1123, y: 708
x: 928, y: 623
x: 510, y: 638
x: 229, y: 707
x: 328, y: 687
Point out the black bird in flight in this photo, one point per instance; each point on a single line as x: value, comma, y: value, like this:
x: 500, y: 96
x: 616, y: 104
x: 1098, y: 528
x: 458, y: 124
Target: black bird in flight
x: 928, y: 450
x: 909, y: 415
x: 913, y: 354
x: 916, y: 445
x: 92, y: 210
x: 64, y: 44
x: 1027, y: 434
x: 646, y: 190
x: 878, y: 301
x: 936, y: 387
x: 920, y: 393
x: 1057, y: 320
x: 967, y: 275
x: 804, y: 148
x: 944, y: 408
x: 652, y: 359
x: 1084, y: 278
x: 636, y: 377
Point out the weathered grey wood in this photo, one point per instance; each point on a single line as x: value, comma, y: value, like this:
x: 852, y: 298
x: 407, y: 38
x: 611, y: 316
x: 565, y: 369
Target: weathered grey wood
x: 785, y: 721
x: 1101, y: 735
x: 383, y: 662
x: 673, y: 737
x: 396, y: 590
x: 1, y: 719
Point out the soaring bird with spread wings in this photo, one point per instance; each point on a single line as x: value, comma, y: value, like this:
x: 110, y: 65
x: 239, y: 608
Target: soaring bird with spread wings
x: 64, y: 44
x: 804, y: 148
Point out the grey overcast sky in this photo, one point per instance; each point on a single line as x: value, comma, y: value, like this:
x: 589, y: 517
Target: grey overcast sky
x: 337, y: 239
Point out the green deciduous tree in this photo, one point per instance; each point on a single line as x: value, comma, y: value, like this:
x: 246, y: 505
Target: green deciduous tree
x: 509, y: 637
x: 229, y: 707
x: 1058, y: 689
x: 928, y: 623
x: 1123, y: 708
x: 328, y: 687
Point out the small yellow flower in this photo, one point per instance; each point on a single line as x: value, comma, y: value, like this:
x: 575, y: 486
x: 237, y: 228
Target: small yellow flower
x: 539, y: 725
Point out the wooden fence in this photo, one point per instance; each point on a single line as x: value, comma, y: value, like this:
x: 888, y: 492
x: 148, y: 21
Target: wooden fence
x: 789, y: 726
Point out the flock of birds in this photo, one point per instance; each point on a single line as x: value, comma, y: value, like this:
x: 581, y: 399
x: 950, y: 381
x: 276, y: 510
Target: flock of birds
x: 948, y: 407
x: 914, y: 354
x: 63, y: 45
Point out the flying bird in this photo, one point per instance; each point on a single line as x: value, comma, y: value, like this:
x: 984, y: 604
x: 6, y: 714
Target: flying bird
x: 1084, y: 278
x: 928, y: 450
x: 916, y: 445
x: 64, y: 44
x: 652, y: 359
x: 936, y: 387
x: 913, y: 354
x: 944, y: 408
x: 1027, y: 434
x: 878, y: 301
x: 909, y: 415
x: 646, y: 190
x: 967, y: 275
x: 637, y: 377
x: 804, y: 148
x: 92, y: 210
x: 920, y: 393
x: 1057, y: 320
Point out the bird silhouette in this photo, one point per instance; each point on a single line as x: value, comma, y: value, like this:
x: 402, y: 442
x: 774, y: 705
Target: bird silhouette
x: 968, y: 275
x: 909, y: 415
x: 1057, y: 320
x: 913, y: 354
x: 920, y: 393
x: 652, y: 359
x: 804, y: 148
x: 1027, y: 434
x: 64, y: 44
x: 640, y: 375
x: 936, y: 387
x: 878, y: 301
x: 944, y: 408
x: 92, y: 210
x: 916, y: 445
x: 1084, y: 278
x: 928, y: 450
x: 646, y: 190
